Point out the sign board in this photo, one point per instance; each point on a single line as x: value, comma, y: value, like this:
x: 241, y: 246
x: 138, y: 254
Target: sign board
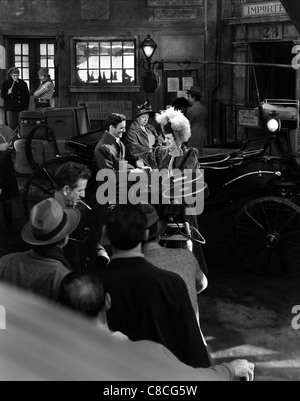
x: 172, y: 3
x: 175, y: 14
x: 263, y: 9
x: 246, y: 118
x: 271, y: 32
x: 95, y: 10
x: 101, y: 110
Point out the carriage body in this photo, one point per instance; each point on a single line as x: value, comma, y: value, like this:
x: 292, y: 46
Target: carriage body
x: 265, y: 171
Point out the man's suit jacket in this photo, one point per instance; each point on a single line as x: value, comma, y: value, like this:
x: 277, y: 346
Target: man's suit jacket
x: 197, y: 115
x: 153, y: 304
x: 109, y: 153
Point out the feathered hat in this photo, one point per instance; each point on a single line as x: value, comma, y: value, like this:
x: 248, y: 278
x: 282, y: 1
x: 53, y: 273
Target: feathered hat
x: 144, y: 109
x: 179, y: 124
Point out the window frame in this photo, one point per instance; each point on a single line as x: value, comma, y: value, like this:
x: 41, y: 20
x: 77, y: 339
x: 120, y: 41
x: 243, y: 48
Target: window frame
x: 109, y: 87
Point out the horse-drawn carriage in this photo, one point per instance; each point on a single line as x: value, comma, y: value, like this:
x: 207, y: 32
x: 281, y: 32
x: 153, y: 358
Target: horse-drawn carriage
x: 265, y: 169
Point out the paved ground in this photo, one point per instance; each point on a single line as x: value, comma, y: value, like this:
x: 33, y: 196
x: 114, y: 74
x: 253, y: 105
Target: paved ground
x: 243, y: 315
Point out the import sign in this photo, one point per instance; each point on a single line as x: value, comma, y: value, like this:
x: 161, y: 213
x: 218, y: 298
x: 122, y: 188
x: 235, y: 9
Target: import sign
x: 263, y: 9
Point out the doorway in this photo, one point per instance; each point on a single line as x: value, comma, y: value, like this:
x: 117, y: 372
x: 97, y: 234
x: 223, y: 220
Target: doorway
x: 273, y: 82
x: 29, y: 55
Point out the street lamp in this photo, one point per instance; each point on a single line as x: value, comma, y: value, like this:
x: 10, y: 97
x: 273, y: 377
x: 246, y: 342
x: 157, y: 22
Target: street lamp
x: 148, y: 46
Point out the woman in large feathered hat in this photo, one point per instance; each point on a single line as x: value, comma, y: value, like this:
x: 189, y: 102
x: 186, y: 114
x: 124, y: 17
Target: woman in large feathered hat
x: 177, y: 131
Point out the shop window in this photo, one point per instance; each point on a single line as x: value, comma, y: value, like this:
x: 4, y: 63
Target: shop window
x: 105, y: 62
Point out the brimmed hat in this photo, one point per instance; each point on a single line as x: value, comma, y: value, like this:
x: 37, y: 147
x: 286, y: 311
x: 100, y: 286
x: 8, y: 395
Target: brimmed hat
x: 180, y: 125
x: 14, y: 70
x: 43, y: 72
x: 49, y: 223
x: 155, y: 226
x: 195, y: 90
x: 144, y: 109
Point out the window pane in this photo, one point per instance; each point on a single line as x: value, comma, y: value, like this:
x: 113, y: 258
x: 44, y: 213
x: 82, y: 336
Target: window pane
x: 18, y: 48
x: 117, y: 49
x: 51, y: 62
x: 26, y: 73
x: 44, y: 62
x: 18, y: 59
x: 129, y: 62
x: 81, y: 49
x: 128, y: 48
x: 51, y: 50
x: 94, y: 49
x: 105, y: 76
x: 43, y: 49
x: 105, y: 49
x: 94, y: 62
x: 105, y: 62
x: 128, y: 76
x: 117, y: 62
x: 93, y: 76
x: 82, y: 75
x: 117, y: 76
x: 25, y: 49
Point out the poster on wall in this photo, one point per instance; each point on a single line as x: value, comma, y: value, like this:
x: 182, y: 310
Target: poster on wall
x: 187, y: 83
x: 173, y: 84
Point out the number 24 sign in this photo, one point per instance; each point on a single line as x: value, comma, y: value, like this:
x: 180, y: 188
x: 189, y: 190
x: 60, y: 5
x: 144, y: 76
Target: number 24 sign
x: 272, y: 32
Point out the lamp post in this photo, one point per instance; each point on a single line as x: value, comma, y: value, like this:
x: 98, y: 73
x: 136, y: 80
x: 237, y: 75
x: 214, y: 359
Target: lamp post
x: 148, y: 46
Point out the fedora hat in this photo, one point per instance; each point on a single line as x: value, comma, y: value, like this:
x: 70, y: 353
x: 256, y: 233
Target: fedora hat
x: 144, y: 109
x: 49, y: 223
x: 155, y: 226
x: 195, y: 90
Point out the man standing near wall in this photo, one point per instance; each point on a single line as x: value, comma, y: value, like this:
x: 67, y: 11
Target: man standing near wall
x: 197, y: 115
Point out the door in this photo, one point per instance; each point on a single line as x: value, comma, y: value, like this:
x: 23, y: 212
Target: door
x: 273, y: 82
x: 29, y: 55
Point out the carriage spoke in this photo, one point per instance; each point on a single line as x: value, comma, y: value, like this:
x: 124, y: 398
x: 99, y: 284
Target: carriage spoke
x: 247, y: 230
x: 256, y: 222
x: 292, y: 255
x: 289, y: 221
x: 278, y: 215
x: 49, y: 176
x: 42, y: 189
x: 266, y: 218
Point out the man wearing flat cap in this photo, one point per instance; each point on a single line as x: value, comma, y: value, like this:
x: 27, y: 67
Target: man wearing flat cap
x: 142, y: 138
x: 16, y: 97
x: 197, y: 115
x: 42, y: 269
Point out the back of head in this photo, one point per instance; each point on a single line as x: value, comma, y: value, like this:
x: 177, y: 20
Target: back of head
x: 126, y: 227
x: 114, y: 119
x: 83, y: 293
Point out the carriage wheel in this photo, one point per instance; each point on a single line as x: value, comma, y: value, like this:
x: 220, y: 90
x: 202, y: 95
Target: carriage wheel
x: 40, y: 185
x: 267, y: 236
x: 42, y: 132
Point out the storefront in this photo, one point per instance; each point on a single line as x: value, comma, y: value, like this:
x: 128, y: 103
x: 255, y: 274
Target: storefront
x: 263, y: 34
x: 92, y: 49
